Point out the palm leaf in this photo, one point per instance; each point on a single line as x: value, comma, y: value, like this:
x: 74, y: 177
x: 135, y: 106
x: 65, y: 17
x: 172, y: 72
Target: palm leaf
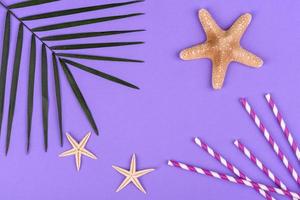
x: 4, y: 60
x: 45, y: 101
x: 93, y: 57
x: 44, y: 66
x: 31, y: 74
x: 82, y: 22
x: 76, y: 10
x: 58, y: 96
x: 14, y: 86
x: 29, y: 3
x: 85, y: 35
x: 99, y: 73
x: 79, y: 96
x: 93, y: 45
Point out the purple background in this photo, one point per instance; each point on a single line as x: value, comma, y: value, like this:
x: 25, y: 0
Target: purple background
x: 158, y: 122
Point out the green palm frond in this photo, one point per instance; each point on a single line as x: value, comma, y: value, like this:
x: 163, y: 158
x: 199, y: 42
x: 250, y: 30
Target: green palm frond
x: 4, y: 61
x: 29, y: 3
x: 93, y: 45
x: 45, y: 101
x: 30, y: 90
x: 100, y: 74
x: 76, y: 11
x: 58, y: 96
x: 79, y: 95
x: 82, y: 22
x: 64, y: 60
x: 86, y: 35
x: 14, y: 86
x: 93, y: 57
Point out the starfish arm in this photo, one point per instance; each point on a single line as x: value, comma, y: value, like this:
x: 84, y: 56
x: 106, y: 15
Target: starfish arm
x: 133, y: 164
x: 78, y: 160
x: 126, y: 181
x: 247, y: 58
x: 240, y: 25
x: 210, y: 27
x: 143, y: 172
x: 195, y: 52
x: 88, y: 154
x: 121, y: 171
x: 84, y: 140
x: 68, y: 153
x: 137, y: 183
x: 219, y: 70
x: 72, y: 141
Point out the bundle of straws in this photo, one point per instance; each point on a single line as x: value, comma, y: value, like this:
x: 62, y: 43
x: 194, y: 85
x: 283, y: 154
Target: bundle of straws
x: 241, y: 178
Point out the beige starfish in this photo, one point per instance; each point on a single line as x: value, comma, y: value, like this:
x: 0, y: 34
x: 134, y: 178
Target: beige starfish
x: 222, y: 47
x: 132, y: 175
x: 78, y: 149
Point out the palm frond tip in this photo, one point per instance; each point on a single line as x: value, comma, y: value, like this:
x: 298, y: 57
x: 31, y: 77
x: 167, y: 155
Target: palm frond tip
x: 76, y: 10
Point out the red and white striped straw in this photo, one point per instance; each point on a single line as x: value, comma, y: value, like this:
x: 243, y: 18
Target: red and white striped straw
x: 270, y: 140
x: 283, y: 126
x: 232, y: 179
x: 228, y: 165
x: 259, y: 164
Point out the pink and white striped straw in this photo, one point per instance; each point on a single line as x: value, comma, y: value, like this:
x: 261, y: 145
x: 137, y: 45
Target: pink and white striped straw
x: 228, y: 165
x: 232, y: 179
x: 259, y: 164
x: 283, y: 126
x: 270, y: 140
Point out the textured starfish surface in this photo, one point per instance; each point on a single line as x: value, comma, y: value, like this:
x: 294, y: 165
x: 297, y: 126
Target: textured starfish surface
x: 132, y: 175
x: 222, y: 47
x: 78, y: 149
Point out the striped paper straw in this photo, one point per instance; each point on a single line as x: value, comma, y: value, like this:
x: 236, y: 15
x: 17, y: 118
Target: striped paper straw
x: 270, y: 140
x: 232, y: 179
x: 283, y: 126
x: 228, y: 165
x: 259, y: 164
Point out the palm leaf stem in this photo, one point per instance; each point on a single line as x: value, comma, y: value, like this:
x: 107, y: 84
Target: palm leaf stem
x: 24, y: 25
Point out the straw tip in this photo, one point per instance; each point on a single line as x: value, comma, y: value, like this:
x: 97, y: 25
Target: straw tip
x: 235, y: 142
x: 197, y: 140
x: 170, y: 163
x: 242, y: 99
x: 268, y: 96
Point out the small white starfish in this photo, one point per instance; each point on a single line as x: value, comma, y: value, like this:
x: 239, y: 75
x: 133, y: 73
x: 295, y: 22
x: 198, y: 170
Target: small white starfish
x: 132, y: 175
x: 78, y: 149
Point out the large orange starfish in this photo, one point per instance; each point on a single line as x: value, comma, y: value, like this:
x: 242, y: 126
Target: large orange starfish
x: 222, y: 47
